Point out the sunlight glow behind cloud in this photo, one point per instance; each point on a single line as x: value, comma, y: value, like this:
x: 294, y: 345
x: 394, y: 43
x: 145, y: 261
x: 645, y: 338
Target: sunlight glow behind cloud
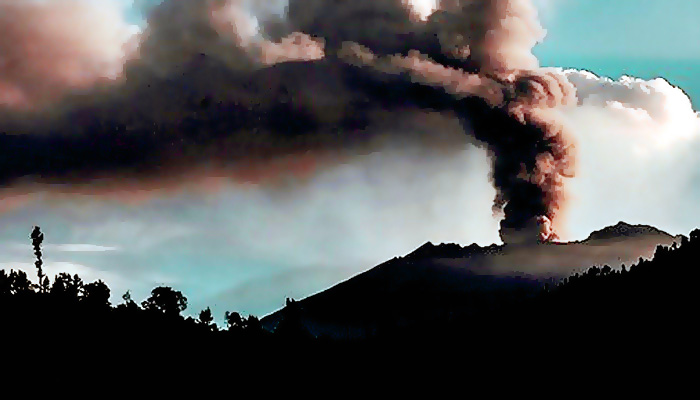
x: 423, y: 7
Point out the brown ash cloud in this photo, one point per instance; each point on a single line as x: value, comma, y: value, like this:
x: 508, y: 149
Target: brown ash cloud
x: 211, y: 85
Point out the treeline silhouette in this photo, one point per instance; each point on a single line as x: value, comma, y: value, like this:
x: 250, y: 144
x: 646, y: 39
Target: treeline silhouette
x: 635, y: 308
x: 68, y: 325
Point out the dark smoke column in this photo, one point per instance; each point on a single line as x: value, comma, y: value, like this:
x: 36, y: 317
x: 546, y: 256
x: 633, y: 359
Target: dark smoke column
x: 529, y: 148
x: 478, y: 55
x: 530, y: 161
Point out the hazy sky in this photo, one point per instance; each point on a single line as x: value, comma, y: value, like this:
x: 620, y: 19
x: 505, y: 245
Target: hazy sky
x: 247, y: 247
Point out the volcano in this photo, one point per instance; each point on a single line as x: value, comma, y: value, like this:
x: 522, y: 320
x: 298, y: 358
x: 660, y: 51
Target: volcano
x: 437, y: 281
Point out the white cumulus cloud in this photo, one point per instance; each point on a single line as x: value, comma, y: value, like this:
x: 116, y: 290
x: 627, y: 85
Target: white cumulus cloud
x: 636, y: 143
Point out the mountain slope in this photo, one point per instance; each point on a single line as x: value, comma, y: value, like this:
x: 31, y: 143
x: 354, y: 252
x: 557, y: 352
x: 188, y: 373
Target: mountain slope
x: 435, y: 281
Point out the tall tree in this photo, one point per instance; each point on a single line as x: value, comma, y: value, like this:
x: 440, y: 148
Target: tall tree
x: 37, y: 238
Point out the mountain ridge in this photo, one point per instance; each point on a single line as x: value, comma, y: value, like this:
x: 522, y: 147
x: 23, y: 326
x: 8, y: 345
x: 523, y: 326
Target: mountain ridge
x: 439, y: 279
x: 623, y: 229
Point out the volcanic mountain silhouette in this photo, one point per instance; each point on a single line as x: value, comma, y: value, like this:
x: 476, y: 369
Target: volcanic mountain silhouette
x: 439, y: 281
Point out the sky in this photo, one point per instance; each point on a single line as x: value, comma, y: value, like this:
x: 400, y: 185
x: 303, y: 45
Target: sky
x: 246, y: 246
x: 642, y: 38
x: 632, y: 29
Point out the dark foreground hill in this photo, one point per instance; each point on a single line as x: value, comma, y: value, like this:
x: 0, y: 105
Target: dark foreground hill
x: 431, y: 316
x: 448, y: 281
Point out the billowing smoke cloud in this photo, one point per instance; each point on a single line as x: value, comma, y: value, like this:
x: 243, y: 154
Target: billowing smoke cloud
x: 50, y: 48
x: 498, y: 35
x: 179, y: 31
x: 221, y: 87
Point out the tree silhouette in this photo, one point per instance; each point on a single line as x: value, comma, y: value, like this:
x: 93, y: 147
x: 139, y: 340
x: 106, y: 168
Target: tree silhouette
x: 14, y: 283
x: 129, y: 303
x: 96, y: 294
x: 67, y: 287
x: 205, y: 317
x: 165, y: 300
x: 6, y: 285
x: 37, y: 238
x: 292, y: 325
x: 252, y: 324
x: 233, y: 321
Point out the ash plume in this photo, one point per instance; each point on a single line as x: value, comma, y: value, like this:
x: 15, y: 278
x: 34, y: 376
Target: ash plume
x: 213, y: 84
x: 49, y: 48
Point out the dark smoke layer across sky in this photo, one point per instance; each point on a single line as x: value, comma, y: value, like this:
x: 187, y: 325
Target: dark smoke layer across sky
x: 206, y: 84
